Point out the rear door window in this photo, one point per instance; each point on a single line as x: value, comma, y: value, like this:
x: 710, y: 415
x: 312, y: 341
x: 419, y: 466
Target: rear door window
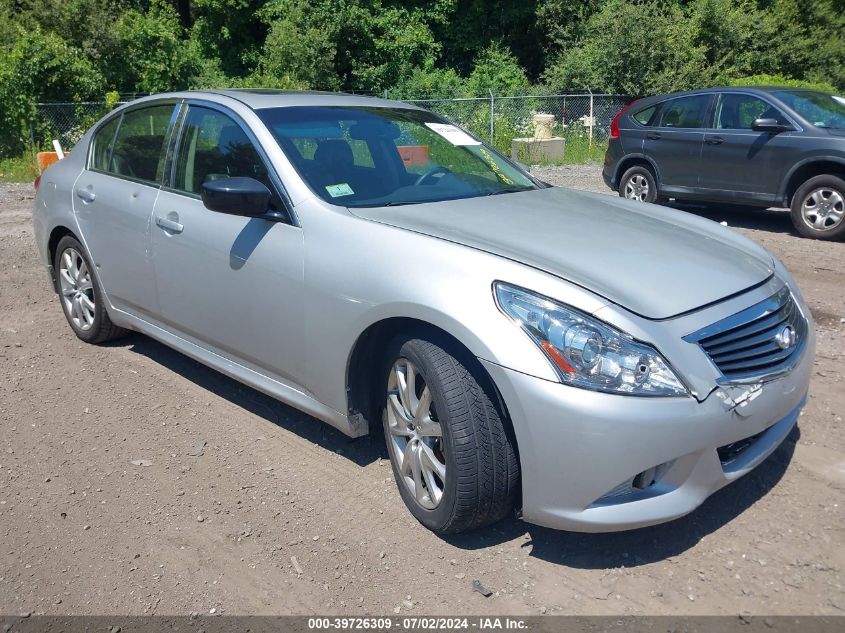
x: 685, y: 112
x: 139, y: 145
x: 103, y: 140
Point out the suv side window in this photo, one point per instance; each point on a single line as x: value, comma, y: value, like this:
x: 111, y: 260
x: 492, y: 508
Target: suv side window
x: 644, y: 117
x: 212, y: 146
x: 139, y: 144
x: 685, y: 112
x: 103, y: 141
x: 738, y: 111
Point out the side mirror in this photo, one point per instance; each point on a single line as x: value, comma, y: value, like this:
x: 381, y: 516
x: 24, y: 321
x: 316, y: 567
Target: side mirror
x: 237, y: 196
x: 769, y: 125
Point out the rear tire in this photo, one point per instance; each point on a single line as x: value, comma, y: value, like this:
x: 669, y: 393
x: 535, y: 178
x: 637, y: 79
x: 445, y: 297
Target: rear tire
x: 81, y: 295
x: 818, y: 208
x: 453, y: 457
x: 638, y: 183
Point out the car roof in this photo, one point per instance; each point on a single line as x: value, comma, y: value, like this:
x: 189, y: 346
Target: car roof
x: 261, y: 98
x: 748, y: 89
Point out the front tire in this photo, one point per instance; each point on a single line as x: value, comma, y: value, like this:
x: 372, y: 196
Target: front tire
x: 81, y: 295
x: 453, y: 458
x: 638, y: 183
x: 818, y: 208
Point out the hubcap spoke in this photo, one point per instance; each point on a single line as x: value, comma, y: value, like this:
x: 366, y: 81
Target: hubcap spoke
x: 77, y: 289
x: 414, y: 435
x: 416, y: 469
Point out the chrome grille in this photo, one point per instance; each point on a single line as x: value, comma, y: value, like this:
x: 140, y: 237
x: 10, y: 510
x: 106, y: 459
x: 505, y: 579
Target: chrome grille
x: 753, y: 343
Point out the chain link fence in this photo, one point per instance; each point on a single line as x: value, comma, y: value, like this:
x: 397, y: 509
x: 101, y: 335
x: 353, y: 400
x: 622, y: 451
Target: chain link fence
x: 66, y: 122
x: 583, y: 120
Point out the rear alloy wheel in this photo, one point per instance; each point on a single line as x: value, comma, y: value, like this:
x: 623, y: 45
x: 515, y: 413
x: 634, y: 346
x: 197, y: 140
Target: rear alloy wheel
x: 452, y: 457
x: 638, y: 184
x: 818, y: 208
x: 80, y: 294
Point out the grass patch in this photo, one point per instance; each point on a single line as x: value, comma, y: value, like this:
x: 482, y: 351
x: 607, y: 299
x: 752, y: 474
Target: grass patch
x: 20, y: 169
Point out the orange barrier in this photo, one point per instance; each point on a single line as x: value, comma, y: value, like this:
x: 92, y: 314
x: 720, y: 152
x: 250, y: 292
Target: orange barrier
x: 413, y: 155
x: 45, y: 159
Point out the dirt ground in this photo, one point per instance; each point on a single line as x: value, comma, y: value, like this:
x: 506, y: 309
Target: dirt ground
x: 283, y: 515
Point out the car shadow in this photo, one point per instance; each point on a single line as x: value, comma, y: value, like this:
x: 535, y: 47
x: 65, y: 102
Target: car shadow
x: 362, y: 451
x: 756, y: 218
x: 645, y: 545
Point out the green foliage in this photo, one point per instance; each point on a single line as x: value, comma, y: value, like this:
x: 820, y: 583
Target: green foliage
x: 429, y: 82
x: 627, y: 48
x: 155, y: 57
x: 652, y: 46
x: 496, y: 69
x: 18, y: 169
x: 230, y: 32
x: 780, y: 80
x: 39, y: 66
x: 71, y: 50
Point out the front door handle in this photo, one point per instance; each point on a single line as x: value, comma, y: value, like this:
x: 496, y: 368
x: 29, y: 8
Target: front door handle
x: 169, y: 225
x: 86, y: 195
x: 714, y: 140
x: 653, y: 137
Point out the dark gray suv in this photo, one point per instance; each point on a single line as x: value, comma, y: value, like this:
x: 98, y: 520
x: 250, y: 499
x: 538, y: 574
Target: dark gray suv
x: 766, y: 147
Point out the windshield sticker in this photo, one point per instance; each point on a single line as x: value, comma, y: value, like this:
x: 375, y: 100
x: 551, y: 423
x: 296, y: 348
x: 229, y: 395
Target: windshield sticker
x: 335, y: 191
x: 452, y: 134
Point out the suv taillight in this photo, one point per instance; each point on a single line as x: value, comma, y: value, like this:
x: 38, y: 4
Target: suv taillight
x: 614, y: 125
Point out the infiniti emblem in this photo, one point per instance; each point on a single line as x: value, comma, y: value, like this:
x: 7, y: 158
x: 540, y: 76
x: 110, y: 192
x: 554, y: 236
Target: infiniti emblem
x: 786, y: 337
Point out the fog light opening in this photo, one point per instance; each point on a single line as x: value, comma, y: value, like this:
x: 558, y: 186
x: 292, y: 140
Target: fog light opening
x: 645, y: 479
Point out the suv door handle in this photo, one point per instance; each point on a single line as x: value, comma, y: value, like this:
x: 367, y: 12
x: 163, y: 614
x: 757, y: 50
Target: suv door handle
x: 171, y: 226
x: 714, y: 140
x: 654, y: 136
x: 86, y: 195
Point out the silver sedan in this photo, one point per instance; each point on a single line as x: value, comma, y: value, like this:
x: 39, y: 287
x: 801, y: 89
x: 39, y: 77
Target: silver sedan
x: 599, y: 363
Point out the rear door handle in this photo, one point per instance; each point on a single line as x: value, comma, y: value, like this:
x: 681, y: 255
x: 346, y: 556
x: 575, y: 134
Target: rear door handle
x: 86, y: 195
x: 714, y: 140
x: 171, y: 226
x: 653, y: 137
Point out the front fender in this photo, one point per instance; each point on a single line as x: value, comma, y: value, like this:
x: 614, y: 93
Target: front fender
x: 377, y: 272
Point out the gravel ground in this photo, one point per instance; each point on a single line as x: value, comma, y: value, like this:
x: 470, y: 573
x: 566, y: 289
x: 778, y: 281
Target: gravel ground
x: 104, y: 510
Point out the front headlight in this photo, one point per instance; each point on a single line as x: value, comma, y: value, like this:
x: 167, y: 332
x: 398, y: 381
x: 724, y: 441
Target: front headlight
x: 586, y: 352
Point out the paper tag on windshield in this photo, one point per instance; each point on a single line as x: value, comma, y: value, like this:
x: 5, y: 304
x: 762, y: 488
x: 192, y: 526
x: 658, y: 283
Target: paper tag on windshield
x: 452, y: 134
x: 335, y: 191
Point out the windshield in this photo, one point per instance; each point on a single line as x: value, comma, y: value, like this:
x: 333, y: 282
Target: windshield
x: 362, y: 157
x: 819, y: 108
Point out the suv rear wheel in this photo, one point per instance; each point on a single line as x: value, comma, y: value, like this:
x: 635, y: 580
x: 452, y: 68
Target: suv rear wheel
x: 452, y: 455
x: 637, y: 183
x: 818, y: 208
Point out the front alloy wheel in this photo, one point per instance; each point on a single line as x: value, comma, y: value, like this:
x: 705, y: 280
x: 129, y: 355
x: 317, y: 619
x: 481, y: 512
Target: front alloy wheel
x: 444, y: 424
x: 415, y: 434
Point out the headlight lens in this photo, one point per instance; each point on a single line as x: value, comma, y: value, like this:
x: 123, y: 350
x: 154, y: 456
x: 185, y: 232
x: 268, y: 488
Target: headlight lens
x: 586, y: 352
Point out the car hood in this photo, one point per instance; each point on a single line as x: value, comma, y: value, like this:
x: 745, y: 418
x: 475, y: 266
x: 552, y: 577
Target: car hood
x: 654, y: 261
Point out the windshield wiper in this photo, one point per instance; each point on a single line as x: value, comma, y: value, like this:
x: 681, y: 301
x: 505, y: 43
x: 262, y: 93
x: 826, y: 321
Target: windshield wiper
x: 508, y: 190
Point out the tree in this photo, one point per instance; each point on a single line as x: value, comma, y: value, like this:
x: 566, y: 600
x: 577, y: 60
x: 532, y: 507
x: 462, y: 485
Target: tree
x: 155, y: 57
x: 496, y: 69
x: 627, y: 48
x: 39, y: 66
